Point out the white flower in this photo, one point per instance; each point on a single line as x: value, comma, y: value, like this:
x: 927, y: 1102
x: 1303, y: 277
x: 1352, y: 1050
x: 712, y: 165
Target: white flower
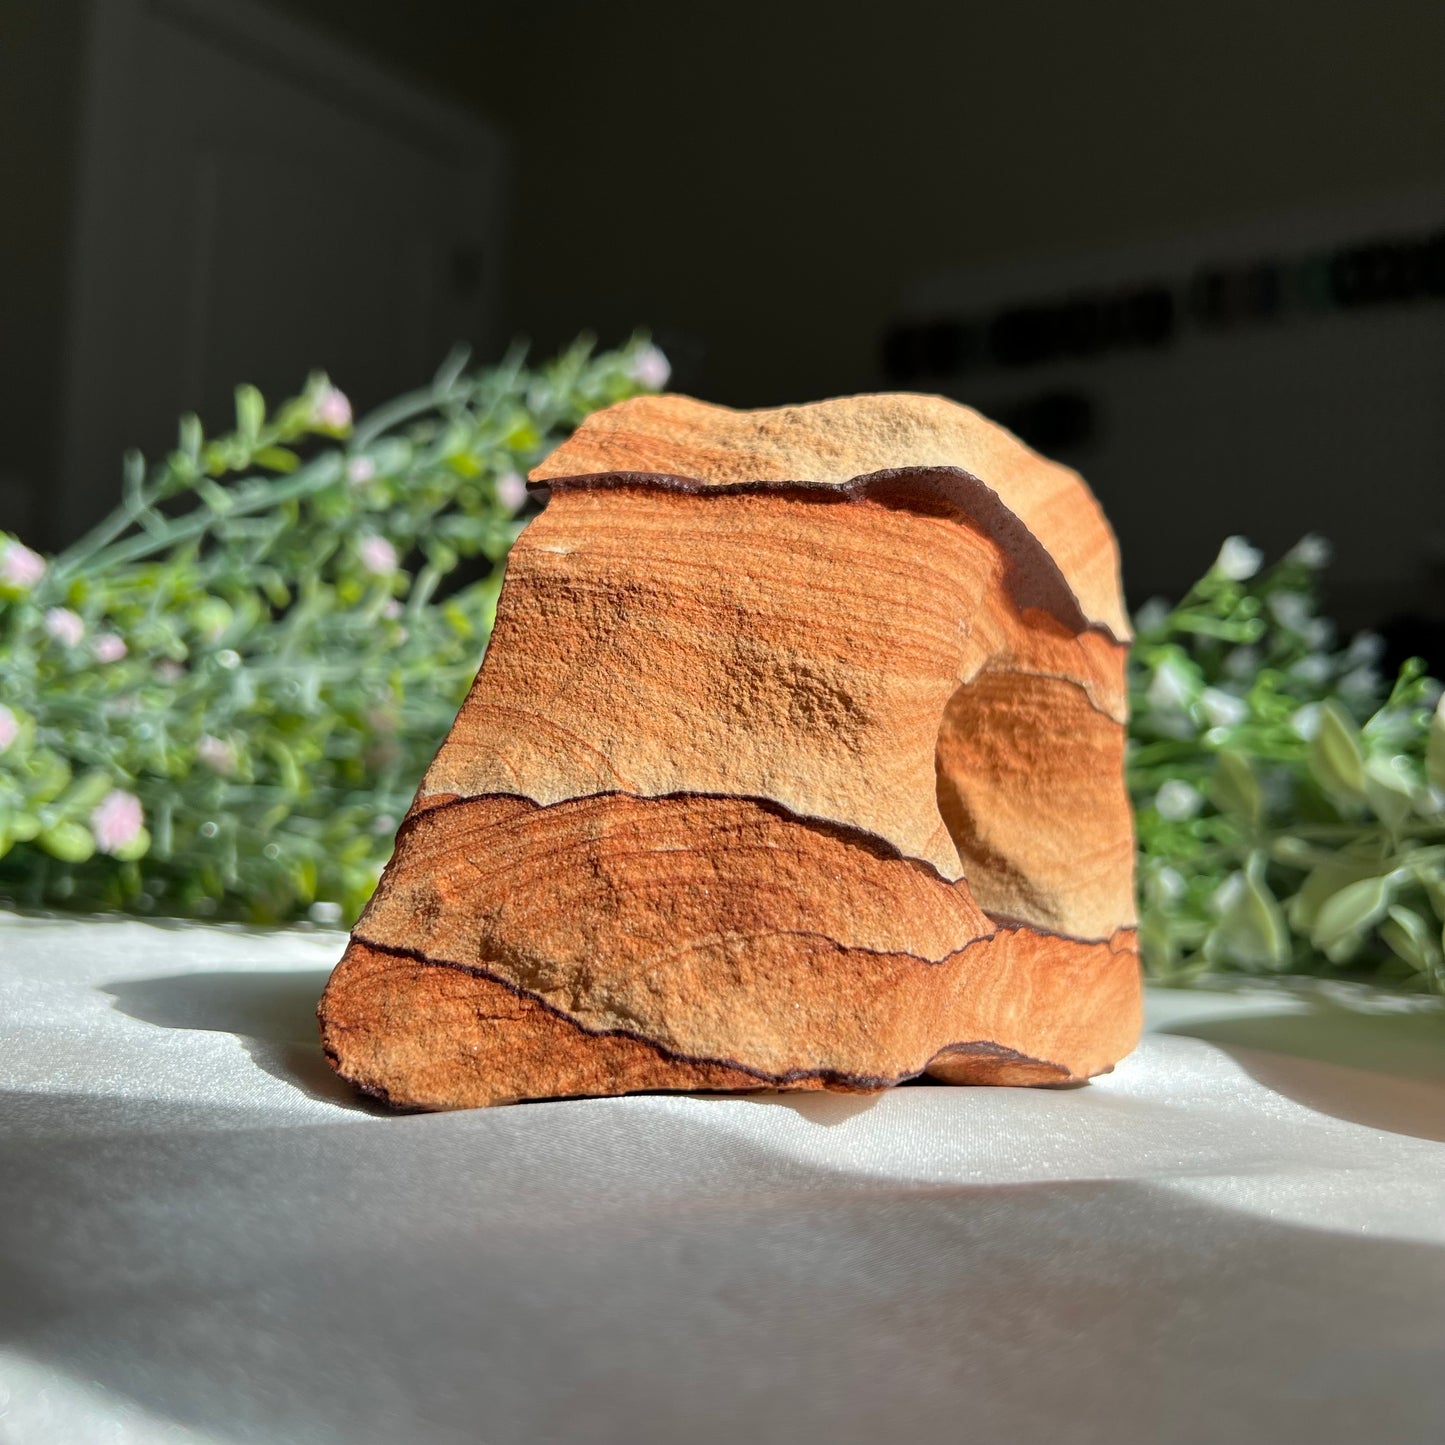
x: 117, y: 822
x: 1178, y: 800
x: 328, y: 915
x: 1151, y: 616
x: 64, y: 626
x: 1319, y: 632
x: 1313, y: 670
x: 1359, y: 682
x: 651, y: 368
x: 391, y: 609
x: 108, y: 647
x: 1168, y: 884
x: 1306, y: 721
x: 169, y: 671
x: 511, y: 490
x: 9, y: 727
x: 19, y: 566
x: 333, y: 410
x: 377, y: 555
x: 1290, y: 609
x: 1311, y: 549
x: 360, y: 470
x: 1222, y: 708
x: 1237, y: 560
x: 1241, y: 663
x: 1171, y: 687
x: 216, y: 754
x: 1365, y: 649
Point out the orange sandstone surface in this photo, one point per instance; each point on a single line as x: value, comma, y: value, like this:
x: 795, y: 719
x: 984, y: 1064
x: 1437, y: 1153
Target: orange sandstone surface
x: 795, y: 762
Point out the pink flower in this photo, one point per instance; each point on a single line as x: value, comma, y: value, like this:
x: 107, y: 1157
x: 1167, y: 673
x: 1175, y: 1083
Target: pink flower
x: 64, y: 626
x: 511, y: 490
x: 360, y: 470
x: 651, y: 368
x: 108, y: 647
x: 117, y: 822
x: 9, y: 727
x: 377, y: 555
x: 391, y: 609
x: 216, y: 754
x: 333, y: 410
x: 169, y: 671
x: 19, y: 566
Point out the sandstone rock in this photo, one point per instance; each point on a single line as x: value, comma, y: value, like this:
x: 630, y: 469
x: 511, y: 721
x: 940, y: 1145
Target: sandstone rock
x: 795, y: 761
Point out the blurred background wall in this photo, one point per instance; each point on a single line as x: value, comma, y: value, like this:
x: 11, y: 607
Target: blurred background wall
x: 807, y: 199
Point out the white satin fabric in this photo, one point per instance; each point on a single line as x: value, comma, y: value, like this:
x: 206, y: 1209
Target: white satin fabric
x: 1239, y: 1236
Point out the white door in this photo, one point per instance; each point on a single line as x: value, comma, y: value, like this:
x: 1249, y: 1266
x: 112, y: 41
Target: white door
x: 254, y: 203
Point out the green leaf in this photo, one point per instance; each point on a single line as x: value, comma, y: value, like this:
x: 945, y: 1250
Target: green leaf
x: 70, y: 842
x: 1157, y: 946
x: 215, y: 496
x: 49, y: 776
x: 450, y: 371
x: 1252, y: 932
x: 1355, y: 908
x: 1235, y: 790
x: 278, y: 459
x: 138, y: 847
x: 1388, y: 793
x: 1335, y: 757
x: 1435, y: 748
x: 1433, y: 882
x: 1324, y: 881
x: 1409, y: 936
x: 133, y: 475
x: 192, y: 438
x: 82, y: 796
x: 22, y: 827
x: 250, y: 414
x: 292, y: 778
x: 1286, y: 848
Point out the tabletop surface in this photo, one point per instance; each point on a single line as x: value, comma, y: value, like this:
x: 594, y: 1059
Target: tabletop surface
x: 204, y: 1236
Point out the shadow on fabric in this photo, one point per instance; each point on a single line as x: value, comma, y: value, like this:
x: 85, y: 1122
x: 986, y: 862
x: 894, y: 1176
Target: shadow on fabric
x: 582, y: 1284
x: 273, y: 1014
x: 1384, y: 1070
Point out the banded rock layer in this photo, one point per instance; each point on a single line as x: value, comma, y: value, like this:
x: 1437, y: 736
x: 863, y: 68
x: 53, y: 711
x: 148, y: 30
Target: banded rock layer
x: 795, y: 761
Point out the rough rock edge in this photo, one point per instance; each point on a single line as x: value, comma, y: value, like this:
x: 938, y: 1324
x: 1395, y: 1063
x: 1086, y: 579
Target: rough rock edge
x: 845, y: 832
x: 1033, y: 577
x: 862, y: 1081
x: 828, y: 1079
x: 728, y: 440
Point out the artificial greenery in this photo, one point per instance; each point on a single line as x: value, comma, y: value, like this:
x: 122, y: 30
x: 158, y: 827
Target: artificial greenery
x: 220, y: 701
x: 1290, y: 806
